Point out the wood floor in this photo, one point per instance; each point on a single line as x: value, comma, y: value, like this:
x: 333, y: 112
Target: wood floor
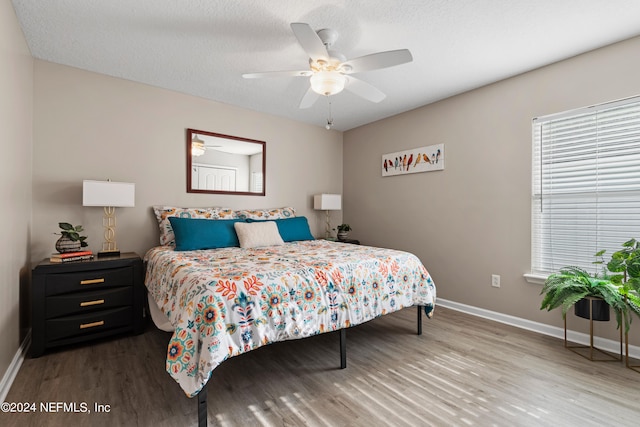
x: 463, y: 371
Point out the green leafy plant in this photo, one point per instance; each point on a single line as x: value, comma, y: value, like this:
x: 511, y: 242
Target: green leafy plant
x: 73, y: 233
x: 618, y: 284
x: 571, y: 284
x: 625, y: 264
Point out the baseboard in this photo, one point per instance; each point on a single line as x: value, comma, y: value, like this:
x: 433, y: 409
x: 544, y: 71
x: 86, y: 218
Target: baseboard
x: 573, y: 336
x: 14, y: 367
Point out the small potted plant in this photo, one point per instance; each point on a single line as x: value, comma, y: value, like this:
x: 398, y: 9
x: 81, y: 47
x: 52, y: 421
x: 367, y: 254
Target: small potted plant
x: 343, y: 231
x: 70, y: 239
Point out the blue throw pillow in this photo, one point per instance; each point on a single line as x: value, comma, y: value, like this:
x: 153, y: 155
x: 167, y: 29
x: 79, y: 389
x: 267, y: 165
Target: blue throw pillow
x: 197, y: 233
x: 292, y: 229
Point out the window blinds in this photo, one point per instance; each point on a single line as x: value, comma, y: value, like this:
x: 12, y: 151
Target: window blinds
x: 256, y: 182
x: 586, y: 185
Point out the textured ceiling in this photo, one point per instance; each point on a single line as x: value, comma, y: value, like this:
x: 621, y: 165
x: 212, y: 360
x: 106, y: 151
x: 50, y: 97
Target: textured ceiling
x: 202, y: 47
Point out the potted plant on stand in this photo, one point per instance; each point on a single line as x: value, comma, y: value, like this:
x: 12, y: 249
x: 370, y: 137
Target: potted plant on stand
x: 571, y: 286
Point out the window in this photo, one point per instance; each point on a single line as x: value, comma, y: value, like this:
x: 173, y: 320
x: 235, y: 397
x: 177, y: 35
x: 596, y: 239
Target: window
x: 586, y: 185
x: 256, y: 182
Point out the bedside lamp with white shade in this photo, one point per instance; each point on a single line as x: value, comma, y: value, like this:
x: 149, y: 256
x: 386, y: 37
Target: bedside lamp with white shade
x: 327, y: 202
x: 109, y: 195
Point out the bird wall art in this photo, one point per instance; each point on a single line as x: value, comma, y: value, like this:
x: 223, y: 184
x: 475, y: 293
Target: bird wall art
x: 423, y: 159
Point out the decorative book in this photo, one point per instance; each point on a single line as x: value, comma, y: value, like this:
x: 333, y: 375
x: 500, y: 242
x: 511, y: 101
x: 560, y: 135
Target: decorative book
x: 71, y: 256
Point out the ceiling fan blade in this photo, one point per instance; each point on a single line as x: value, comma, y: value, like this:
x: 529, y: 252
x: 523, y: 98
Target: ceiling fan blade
x: 376, y: 61
x: 309, y: 98
x: 364, y: 90
x: 305, y: 73
x: 310, y: 41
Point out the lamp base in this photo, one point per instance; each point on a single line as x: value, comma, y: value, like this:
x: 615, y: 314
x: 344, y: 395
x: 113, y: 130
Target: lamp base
x: 327, y: 230
x: 106, y: 254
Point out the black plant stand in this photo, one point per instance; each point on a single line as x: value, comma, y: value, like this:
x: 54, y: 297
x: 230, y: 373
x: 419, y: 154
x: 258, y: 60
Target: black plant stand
x: 591, y: 354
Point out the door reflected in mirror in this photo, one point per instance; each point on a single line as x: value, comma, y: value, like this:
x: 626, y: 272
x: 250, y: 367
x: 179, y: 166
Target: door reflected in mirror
x: 225, y: 164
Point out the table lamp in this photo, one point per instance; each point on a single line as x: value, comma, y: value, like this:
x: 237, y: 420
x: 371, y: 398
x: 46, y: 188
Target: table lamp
x: 110, y: 195
x: 327, y: 202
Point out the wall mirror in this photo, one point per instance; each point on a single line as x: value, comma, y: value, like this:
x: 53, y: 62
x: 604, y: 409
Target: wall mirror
x: 224, y: 164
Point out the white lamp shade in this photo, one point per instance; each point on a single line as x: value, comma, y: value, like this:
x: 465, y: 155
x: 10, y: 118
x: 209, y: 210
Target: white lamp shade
x: 327, y: 202
x: 108, y: 194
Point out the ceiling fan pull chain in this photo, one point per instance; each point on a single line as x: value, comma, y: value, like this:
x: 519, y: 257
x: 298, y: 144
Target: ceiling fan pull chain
x: 330, y: 119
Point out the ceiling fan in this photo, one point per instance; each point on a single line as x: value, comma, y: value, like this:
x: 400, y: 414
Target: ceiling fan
x: 330, y: 72
x: 198, y: 146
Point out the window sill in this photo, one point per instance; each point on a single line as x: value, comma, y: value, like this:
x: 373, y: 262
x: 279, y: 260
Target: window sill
x: 536, y: 279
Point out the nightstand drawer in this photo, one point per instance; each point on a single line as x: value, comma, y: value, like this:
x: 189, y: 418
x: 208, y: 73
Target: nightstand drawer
x: 88, y: 280
x: 85, y: 324
x: 85, y: 302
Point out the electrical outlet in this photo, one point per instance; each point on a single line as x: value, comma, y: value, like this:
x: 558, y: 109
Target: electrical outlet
x: 495, y: 280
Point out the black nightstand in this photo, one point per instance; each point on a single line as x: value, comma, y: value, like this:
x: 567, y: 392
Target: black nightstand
x: 84, y: 300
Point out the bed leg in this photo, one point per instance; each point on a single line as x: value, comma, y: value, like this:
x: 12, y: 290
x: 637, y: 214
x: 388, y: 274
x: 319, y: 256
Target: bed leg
x: 420, y: 319
x: 202, y: 407
x: 343, y: 348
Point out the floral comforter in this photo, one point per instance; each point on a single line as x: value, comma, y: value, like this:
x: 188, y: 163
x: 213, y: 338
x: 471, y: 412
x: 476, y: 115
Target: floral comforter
x: 224, y: 302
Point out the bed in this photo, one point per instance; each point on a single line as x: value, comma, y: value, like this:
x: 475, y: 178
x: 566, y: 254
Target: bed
x: 229, y: 300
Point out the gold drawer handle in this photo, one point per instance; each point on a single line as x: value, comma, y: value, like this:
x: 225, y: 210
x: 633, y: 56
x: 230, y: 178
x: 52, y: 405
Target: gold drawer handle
x: 91, y: 281
x: 91, y: 325
x: 88, y: 303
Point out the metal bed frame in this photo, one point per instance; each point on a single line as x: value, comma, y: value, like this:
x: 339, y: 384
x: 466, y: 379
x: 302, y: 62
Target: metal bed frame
x: 202, y: 395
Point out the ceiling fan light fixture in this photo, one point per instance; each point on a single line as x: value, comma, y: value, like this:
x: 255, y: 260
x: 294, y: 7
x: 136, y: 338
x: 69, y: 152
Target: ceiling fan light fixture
x: 328, y: 82
x: 197, y: 146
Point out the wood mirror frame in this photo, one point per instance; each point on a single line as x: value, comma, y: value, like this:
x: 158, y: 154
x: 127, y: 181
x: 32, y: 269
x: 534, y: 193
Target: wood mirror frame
x: 227, y: 164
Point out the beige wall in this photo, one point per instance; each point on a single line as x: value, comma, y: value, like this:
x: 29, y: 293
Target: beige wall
x: 91, y: 126
x: 473, y: 219
x: 16, y: 113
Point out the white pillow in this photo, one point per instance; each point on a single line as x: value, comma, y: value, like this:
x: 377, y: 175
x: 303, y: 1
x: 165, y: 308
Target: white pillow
x: 257, y: 234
